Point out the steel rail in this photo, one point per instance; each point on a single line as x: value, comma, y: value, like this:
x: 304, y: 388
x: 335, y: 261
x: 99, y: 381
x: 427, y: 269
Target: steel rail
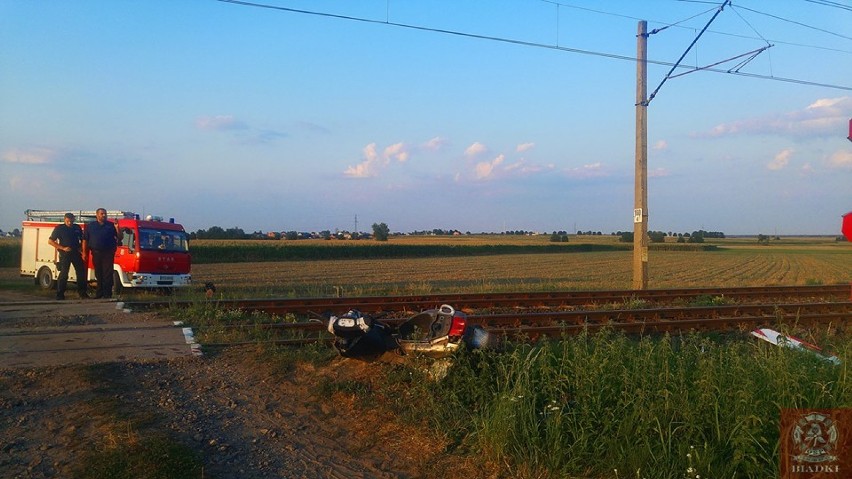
x: 725, y: 323
x: 732, y: 321
x: 841, y: 310
x: 691, y: 317
x: 778, y: 311
x: 375, y: 304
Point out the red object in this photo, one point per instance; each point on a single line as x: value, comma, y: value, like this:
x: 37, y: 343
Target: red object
x: 458, y: 324
x: 846, y: 229
x: 850, y: 130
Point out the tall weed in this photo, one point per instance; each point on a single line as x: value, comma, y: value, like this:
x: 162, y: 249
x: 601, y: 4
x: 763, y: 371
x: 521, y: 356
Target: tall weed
x: 586, y: 405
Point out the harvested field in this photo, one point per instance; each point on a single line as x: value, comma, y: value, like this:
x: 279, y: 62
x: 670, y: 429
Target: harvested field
x: 597, y: 270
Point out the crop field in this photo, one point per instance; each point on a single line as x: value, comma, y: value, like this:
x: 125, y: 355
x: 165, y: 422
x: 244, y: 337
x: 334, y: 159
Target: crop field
x: 493, y: 263
x: 828, y: 263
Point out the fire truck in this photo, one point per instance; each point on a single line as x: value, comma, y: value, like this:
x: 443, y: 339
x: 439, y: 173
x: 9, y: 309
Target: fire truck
x: 153, y: 253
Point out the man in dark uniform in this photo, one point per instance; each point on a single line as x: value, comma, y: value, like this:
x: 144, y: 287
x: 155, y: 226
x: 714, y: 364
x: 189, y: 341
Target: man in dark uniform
x: 66, y: 238
x: 102, y: 238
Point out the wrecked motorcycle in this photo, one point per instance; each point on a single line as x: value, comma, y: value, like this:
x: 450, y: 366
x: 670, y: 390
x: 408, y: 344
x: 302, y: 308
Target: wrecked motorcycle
x: 433, y: 332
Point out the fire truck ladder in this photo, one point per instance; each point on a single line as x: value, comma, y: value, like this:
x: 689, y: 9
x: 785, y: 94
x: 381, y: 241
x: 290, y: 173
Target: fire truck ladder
x: 82, y: 215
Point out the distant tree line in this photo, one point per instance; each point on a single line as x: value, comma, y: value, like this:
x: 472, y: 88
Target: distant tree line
x: 217, y: 232
x: 559, y: 237
x: 381, y: 232
x: 436, y: 232
x: 660, y: 236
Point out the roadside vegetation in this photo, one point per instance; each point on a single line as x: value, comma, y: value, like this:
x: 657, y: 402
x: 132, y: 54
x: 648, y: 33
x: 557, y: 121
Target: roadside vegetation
x: 589, y: 406
x: 10, y: 252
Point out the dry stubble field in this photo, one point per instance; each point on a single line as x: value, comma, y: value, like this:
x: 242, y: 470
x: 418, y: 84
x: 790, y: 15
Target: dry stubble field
x: 737, y: 262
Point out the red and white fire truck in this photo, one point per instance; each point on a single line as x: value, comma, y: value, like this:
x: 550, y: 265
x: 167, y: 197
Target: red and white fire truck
x: 153, y: 254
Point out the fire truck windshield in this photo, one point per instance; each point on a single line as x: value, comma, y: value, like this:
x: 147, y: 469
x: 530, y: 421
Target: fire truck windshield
x: 162, y: 240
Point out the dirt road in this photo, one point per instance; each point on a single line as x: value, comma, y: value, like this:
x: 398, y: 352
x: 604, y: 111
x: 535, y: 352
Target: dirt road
x: 38, y: 333
x: 245, y: 417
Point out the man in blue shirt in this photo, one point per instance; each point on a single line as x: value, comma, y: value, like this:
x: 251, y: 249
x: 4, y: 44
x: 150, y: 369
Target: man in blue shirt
x: 102, y: 238
x: 66, y: 238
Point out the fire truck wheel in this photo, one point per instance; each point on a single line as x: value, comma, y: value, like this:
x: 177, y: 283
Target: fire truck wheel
x: 45, y: 278
x: 117, y: 287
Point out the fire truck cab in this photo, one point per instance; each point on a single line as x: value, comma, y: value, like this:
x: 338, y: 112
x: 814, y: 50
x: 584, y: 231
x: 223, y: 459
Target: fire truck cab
x: 153, y: 253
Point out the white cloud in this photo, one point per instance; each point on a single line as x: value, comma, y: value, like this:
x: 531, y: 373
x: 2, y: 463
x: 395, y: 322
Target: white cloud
x: 830, y: 103
x: 781, y: 160
x: 369, y: 152
x: 373, y: 162
x: 524, y: 147
x: 434, y: 144
x: 361, y: 170
x: 29, y: 156
x: 841, y: 159
x: 661, y: 145
x: 366, y: 168
x: 485, y: 169
x: 397, y: 152
x: 823, y: 117
x: 475, y: 149
x: 521, y: 167
x: 219, y: 123
x: 658, y: 173
x: 592, y: 170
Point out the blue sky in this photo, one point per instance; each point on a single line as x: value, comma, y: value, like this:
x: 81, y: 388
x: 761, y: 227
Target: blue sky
x: 222, y: 114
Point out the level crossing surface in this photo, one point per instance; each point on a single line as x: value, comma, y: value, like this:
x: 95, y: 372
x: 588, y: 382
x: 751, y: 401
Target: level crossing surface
x: 40, y: 333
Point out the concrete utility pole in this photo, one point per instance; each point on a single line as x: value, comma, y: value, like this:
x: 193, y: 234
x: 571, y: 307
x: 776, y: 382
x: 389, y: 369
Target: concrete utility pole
x: 640, y: 194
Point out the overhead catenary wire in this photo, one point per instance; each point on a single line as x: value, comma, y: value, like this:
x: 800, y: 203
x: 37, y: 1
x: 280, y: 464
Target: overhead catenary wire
x: 694, y: 41
x: 714, y: 32
x: 795, y: 22
x: 749, y: 56
x: 526, y: 43
x: 829, y: 3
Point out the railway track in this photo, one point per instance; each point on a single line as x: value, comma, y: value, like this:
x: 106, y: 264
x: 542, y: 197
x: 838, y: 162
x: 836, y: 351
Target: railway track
x: 474, y: 302
x: 519, y: 316
x: 536, y: 315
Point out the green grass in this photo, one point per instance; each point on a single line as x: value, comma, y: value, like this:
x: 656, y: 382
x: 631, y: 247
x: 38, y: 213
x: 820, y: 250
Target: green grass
x: 650, y: 407
x: 288, y: 251
x: 572, y: 407
x: 154, y: 458
x: 10, y: 252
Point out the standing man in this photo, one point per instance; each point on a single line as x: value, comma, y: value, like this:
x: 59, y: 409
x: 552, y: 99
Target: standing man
x: 67, y: 238
x: 102, y: 238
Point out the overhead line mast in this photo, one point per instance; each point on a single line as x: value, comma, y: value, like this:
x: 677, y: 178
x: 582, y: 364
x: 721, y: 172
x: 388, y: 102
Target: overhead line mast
x: 640, y: 192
